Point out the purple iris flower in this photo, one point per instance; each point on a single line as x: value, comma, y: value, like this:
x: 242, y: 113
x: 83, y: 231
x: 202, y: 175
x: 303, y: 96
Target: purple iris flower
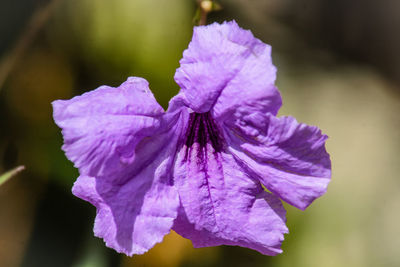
x: 199, y: 168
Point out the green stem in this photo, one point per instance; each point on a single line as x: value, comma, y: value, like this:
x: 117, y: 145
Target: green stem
x: 205, y: 7
x: 36, y: 23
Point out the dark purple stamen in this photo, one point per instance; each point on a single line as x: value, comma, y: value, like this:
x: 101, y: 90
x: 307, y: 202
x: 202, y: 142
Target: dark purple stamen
x: 202, y: 130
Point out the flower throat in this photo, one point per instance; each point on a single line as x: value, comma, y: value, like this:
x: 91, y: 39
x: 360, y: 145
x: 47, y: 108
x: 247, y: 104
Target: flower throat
x: 202, y: 130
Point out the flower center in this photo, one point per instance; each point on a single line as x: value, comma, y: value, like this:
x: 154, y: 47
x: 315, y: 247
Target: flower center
x: 203, y: 130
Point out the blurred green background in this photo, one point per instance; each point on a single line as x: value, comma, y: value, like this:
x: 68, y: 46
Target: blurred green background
x: 338, y: 67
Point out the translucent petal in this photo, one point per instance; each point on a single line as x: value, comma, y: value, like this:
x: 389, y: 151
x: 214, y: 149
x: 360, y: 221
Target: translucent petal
x: 288, y: 157
x: 136, y: 207
x: 224, y: 68
x: 222, y: 205
x: 101, y: 128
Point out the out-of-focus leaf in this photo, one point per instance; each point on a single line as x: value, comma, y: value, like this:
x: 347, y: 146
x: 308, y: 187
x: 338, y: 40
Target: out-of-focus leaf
x: 196, y: 17
x: 216, y: 6
x: 6, y: 176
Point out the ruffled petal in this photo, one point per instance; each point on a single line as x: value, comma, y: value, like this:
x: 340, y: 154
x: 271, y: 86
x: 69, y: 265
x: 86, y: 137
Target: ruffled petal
x: 136, y: 207
x: 222, y: 205
x: 262, y: 231
x: 101, y: 128
x: 226, y: 67
x: 288, y: 157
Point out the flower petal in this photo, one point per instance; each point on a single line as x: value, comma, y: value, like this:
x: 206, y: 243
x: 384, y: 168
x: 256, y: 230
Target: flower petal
x: 134, y: 215
x: 226, y: 67
x: 288, y: 157
x: 220, y: 204
x: 101, y: 128
x: 263, y: 231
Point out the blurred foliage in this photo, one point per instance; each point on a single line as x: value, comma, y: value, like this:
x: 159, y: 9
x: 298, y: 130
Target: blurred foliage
x: 115, y: 39
x: 9, y: 174
x: 323, y: 81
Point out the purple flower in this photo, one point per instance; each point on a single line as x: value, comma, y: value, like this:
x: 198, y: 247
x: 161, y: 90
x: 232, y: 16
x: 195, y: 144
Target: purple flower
x: 199, y: 167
